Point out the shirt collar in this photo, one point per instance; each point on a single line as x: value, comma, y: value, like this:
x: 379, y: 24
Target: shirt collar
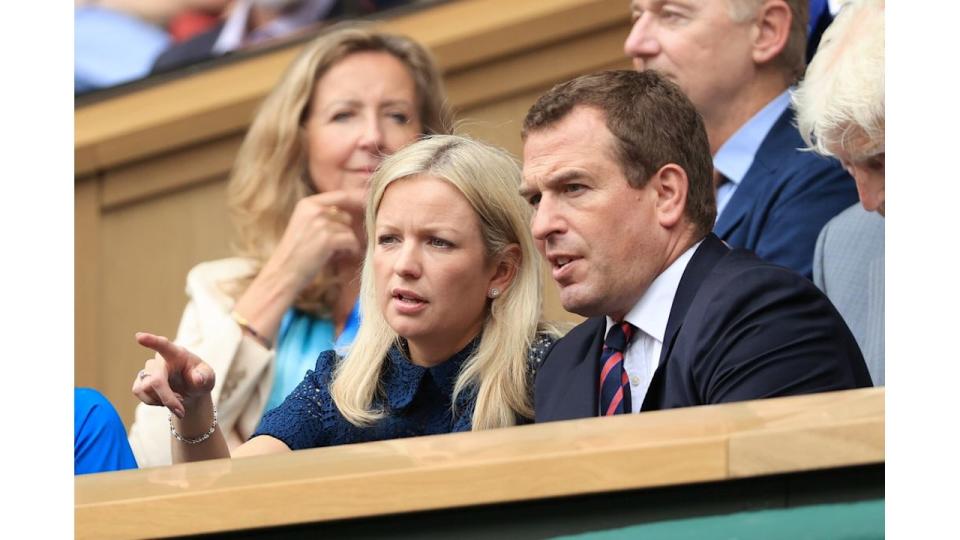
x: 234, y: 33
x: 735, y: 157
x: 652, y: 311
x: 402, y: 378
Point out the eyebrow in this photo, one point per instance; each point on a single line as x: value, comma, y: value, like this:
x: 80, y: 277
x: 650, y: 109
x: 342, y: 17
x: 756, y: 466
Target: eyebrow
x: 553, y: 181
x: 356, y: 102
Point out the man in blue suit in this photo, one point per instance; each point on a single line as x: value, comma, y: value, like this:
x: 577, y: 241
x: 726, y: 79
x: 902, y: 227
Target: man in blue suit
x: 617, y: 168
x: 735, y: 60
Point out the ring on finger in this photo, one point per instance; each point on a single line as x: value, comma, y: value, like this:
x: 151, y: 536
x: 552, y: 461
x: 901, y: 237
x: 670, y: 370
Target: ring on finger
x: 142, y: 375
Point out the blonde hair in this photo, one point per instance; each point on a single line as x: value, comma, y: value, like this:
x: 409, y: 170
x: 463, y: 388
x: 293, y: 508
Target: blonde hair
x: 793, y: 57
x: 270, y: 174
x: 840, y: 103
x: 489, y: 179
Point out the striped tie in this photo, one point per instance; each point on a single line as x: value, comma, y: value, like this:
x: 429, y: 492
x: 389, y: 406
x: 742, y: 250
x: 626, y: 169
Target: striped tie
x: 614, y: 383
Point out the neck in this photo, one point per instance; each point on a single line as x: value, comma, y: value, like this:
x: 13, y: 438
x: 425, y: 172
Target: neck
x: 675, y: 246
x: 724, y: 121
x: 427, y: 354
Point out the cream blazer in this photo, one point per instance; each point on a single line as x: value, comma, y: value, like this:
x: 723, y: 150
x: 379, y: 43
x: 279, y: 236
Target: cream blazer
x: 244, y: 369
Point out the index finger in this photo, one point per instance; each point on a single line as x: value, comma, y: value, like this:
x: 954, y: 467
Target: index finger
x: 163, y: 346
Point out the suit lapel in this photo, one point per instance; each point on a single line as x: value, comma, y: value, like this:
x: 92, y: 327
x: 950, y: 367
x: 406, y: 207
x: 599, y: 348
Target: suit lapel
x: 754, y: 180
x: 578, y: 373
x: 700, y: 265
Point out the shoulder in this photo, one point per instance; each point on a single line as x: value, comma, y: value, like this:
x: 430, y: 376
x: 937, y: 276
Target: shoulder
x: 212, y: 278
x: 742, y: 267
x: 541, y: 345
x: 220, y: 269
x: 784, y: 150
x: 326, y: 364
x: 742, y: 282
x: 93, y: 412
x: 574, y: 344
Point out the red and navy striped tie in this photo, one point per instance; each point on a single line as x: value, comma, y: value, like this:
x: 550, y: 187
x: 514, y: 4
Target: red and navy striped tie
x: 614, y: 382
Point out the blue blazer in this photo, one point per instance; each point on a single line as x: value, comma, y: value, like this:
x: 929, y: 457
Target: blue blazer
x: 739, y: 328
x: 784, y: 200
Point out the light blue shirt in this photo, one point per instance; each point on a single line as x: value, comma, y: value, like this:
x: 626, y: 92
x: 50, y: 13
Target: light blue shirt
x: 735, y: 157
x: 300, y: 341
x: 111, y: 47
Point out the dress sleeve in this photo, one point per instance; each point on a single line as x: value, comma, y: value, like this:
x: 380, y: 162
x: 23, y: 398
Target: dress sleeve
x: 307, y: 416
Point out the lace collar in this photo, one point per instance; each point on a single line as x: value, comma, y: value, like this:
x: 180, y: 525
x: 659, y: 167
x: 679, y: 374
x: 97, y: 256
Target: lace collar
x: 402, y: 378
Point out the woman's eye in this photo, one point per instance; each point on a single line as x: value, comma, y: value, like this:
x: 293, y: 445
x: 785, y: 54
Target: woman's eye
x: 534, y: 200
x: 386, y: 239
x: 342, y: 116
x: 400, y: 118
x: 440, y: 243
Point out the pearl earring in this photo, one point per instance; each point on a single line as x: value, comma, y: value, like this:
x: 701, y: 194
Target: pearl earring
x: 494, y: 292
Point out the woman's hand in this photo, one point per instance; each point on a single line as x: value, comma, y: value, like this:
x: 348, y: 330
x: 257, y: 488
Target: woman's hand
x: 324, y: 227
x: 175, y: 378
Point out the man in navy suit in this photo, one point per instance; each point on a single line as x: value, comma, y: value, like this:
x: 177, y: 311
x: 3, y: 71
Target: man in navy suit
x: 617, y: 168
x: 735, y: 60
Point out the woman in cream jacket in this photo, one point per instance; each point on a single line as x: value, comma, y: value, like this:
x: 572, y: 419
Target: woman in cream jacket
x: 296, y: 196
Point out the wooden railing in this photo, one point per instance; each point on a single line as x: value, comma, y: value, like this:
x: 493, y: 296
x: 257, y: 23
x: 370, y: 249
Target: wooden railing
x: 545, y: 462
x: 151, y: 165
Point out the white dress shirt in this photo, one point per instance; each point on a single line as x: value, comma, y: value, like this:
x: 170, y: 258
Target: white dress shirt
x: 649, y: 315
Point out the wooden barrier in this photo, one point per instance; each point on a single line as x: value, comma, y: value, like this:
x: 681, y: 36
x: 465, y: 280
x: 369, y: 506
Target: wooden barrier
x: 151, y: 165
x: 370, y: 486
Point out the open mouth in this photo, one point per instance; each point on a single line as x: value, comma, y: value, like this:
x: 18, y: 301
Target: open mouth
x: 408, y: 297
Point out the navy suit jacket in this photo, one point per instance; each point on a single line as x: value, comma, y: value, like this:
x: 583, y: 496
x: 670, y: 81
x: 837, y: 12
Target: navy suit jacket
x: 784, y: 199
x: 740, y: 328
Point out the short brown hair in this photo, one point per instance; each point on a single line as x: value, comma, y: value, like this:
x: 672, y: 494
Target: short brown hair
x: 793, y: 57
x: 653, y: 124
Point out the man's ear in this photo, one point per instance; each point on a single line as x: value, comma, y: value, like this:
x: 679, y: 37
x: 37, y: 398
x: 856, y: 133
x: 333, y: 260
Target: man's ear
x: 771, y: 30
x: 671, y: 185
x: 507, y: 263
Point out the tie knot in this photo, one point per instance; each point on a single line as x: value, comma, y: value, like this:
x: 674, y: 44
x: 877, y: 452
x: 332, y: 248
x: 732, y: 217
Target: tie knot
x: 618, y: 336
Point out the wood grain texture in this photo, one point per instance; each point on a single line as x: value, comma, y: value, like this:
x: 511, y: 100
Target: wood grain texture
x: 698, y: 444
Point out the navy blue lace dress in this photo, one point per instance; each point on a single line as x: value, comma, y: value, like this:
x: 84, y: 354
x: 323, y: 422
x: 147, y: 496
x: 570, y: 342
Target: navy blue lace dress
x: 416, y: 400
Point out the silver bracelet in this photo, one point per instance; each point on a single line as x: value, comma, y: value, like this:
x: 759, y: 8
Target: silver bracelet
x: 199, y: 439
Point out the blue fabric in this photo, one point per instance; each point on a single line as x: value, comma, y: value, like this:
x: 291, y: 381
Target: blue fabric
x: 111, y: 47
x: 820, y: 18
x: 300, y: 341
x: 99, y: 439
x: 784, y: 199
x: 416, y: 401
x: 735, y: 157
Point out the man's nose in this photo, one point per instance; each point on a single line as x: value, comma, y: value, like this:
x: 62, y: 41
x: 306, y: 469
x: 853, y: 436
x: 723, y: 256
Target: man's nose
x: 546, y: 221
x: 641, y: 42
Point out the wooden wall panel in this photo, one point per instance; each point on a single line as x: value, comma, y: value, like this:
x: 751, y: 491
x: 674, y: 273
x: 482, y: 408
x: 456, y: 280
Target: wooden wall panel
x: 146, y: 250
x: 86, y: 238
